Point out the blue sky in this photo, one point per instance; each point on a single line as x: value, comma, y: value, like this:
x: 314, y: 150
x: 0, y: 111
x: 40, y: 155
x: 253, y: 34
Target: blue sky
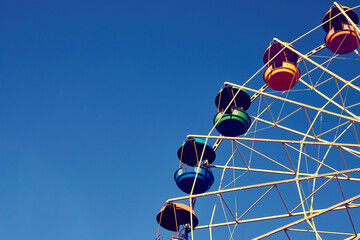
x: 97, y: 96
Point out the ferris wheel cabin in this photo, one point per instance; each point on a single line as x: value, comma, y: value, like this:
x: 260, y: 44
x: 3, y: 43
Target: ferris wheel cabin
x: 174, y: 217
x: 185, y: 180
x: 282, y: 72
x: 233, y: 97
x: 341, y: 37
x: 191, y: 150
x: 190, y: 154
x: 234, y: 124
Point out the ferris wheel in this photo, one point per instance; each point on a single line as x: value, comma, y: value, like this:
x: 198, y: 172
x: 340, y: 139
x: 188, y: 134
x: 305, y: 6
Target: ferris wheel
x: 282, y: 160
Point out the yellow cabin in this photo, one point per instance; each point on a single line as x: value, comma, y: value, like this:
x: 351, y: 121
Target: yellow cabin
x: 282, y: 72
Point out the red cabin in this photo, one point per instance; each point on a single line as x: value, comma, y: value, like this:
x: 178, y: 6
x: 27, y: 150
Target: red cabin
x: 341, y: 37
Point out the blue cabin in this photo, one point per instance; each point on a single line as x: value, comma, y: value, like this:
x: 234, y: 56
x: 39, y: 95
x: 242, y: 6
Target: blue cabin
x: 185, y: 180
x: 191, y: 150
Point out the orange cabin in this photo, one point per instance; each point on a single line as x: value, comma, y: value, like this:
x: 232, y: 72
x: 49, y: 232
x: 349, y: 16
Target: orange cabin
x: 282, y: 72
x: 174, y: 215
x: 341, y: 37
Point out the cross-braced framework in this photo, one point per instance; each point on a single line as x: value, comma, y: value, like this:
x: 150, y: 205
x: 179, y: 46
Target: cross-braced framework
x: 296, y: 173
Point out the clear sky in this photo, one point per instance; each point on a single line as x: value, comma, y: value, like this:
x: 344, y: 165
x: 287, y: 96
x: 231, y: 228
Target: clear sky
x: 97, y: 96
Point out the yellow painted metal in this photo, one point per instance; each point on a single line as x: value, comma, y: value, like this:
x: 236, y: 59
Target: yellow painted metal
x: 265, y: 184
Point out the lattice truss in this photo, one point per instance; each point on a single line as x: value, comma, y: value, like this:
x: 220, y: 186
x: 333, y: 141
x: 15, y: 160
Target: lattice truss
x: 296, y: 173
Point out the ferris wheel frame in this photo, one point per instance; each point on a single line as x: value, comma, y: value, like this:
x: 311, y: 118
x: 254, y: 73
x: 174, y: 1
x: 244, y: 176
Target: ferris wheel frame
x: 299, y: 176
